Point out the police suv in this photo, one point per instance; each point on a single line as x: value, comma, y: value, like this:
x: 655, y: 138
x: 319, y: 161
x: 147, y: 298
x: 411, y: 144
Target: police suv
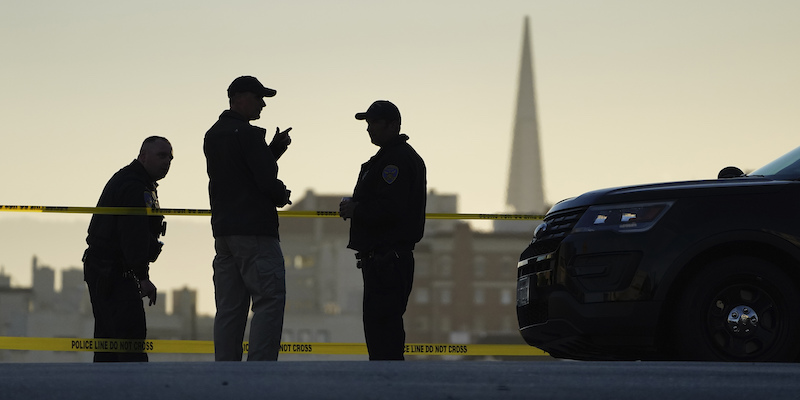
x: 696, y: 270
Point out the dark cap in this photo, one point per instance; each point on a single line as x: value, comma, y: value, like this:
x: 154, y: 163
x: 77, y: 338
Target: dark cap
x: 381, y: 109
x: 249, y: 84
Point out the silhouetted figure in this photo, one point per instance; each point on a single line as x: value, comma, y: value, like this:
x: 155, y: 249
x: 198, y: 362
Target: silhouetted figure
x: 245, y: 191
x: 121, y: 247
x: 387, y: 219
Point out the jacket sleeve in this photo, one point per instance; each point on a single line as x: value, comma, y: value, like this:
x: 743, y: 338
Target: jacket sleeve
x: 261, y: 163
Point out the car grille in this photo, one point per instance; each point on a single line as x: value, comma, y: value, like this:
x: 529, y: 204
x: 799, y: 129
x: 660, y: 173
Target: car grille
x: 531, y: 314
x: 559, y: 225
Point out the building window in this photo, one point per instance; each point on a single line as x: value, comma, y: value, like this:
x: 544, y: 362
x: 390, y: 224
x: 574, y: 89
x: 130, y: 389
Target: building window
x: 332, y: 308
x: 302, y: 262
x: 323, y: 336
x: 421, y: 295
x: 445, y: 296
x: 479, y: 296
x: 505, y: 297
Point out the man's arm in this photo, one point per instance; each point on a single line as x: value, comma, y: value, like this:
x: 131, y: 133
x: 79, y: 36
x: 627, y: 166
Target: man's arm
x: 261, y: 162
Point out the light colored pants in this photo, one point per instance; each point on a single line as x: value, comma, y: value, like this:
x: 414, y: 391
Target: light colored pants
x: 245, y: 268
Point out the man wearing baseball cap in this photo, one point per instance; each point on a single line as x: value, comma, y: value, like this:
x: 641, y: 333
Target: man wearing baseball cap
x: 245, y: 191
x: 387, y: 219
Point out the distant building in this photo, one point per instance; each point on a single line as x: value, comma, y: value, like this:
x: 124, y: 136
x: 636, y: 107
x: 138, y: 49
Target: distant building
x: 464, y: 285
x: 525, y: 183
x: 44, y: 286
x: 14, y: 306
x: 5, y: 280
x: 525, y: 190
x: 41, y: 311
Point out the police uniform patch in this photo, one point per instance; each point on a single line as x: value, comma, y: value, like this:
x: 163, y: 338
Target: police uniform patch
x: 390, y: 173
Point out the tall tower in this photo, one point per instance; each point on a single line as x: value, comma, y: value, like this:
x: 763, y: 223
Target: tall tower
x: 525, y: 185
x: 43, y: 285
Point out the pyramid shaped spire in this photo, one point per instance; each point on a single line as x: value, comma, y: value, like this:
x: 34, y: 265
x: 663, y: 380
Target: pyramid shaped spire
x: 525, y: 184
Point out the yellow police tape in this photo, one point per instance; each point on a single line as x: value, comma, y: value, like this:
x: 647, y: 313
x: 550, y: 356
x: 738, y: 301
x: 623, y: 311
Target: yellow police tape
x: 183, y: 211
x: 207, y: 347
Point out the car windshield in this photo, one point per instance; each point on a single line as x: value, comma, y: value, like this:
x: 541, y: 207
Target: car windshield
x: 785, y: 167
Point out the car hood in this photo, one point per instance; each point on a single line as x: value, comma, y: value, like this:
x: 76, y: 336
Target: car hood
x: 673, y: 190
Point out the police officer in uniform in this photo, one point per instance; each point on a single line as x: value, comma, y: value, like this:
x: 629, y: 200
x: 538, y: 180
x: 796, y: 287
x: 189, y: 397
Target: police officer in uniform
x: 116, y: 263
x: 387, y: 219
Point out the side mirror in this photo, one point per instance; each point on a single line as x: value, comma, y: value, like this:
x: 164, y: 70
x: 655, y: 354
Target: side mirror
x: 730, y: 172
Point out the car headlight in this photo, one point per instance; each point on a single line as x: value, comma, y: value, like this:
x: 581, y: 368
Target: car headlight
x: 622, y: 217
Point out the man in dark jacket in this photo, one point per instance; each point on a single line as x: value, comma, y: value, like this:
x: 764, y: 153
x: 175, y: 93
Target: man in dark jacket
x: 116, y: 263
x: 387, y: 213
x: 245, y: 191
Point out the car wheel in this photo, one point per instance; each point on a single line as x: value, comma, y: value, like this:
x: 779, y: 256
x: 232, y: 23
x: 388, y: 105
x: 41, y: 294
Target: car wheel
x: 739, y: 309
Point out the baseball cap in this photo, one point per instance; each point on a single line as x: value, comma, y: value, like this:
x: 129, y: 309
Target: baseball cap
x: 381, y: 109
x: 249, y: 84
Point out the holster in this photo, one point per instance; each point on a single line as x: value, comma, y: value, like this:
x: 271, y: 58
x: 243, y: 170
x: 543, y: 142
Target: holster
x: 364, y: 258
x: 101, y: 272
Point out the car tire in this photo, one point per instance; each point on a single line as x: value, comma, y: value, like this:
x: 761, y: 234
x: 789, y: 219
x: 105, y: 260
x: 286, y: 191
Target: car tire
x: 739, y: 308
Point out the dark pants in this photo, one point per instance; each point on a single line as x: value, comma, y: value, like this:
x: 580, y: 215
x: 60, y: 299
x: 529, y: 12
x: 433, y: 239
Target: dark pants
x: 387, y: 284
x: 118, y: 314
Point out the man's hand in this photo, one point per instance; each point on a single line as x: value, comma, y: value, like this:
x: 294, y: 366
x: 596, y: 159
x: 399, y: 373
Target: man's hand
x: 346, y: 208
x: 147, y: 289
x: 281, y: 139
x: 288, y: 199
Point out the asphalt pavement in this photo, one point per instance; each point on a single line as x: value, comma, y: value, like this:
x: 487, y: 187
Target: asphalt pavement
x: 400, y: 380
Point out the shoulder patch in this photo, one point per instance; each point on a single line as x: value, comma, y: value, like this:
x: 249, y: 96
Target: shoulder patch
x: 390, y: 173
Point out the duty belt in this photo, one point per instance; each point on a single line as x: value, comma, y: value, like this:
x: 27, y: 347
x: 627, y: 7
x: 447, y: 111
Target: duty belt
x: 362, y: 257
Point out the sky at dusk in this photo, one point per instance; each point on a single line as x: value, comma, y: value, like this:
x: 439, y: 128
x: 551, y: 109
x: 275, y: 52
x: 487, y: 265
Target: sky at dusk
x: 628, y: 92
